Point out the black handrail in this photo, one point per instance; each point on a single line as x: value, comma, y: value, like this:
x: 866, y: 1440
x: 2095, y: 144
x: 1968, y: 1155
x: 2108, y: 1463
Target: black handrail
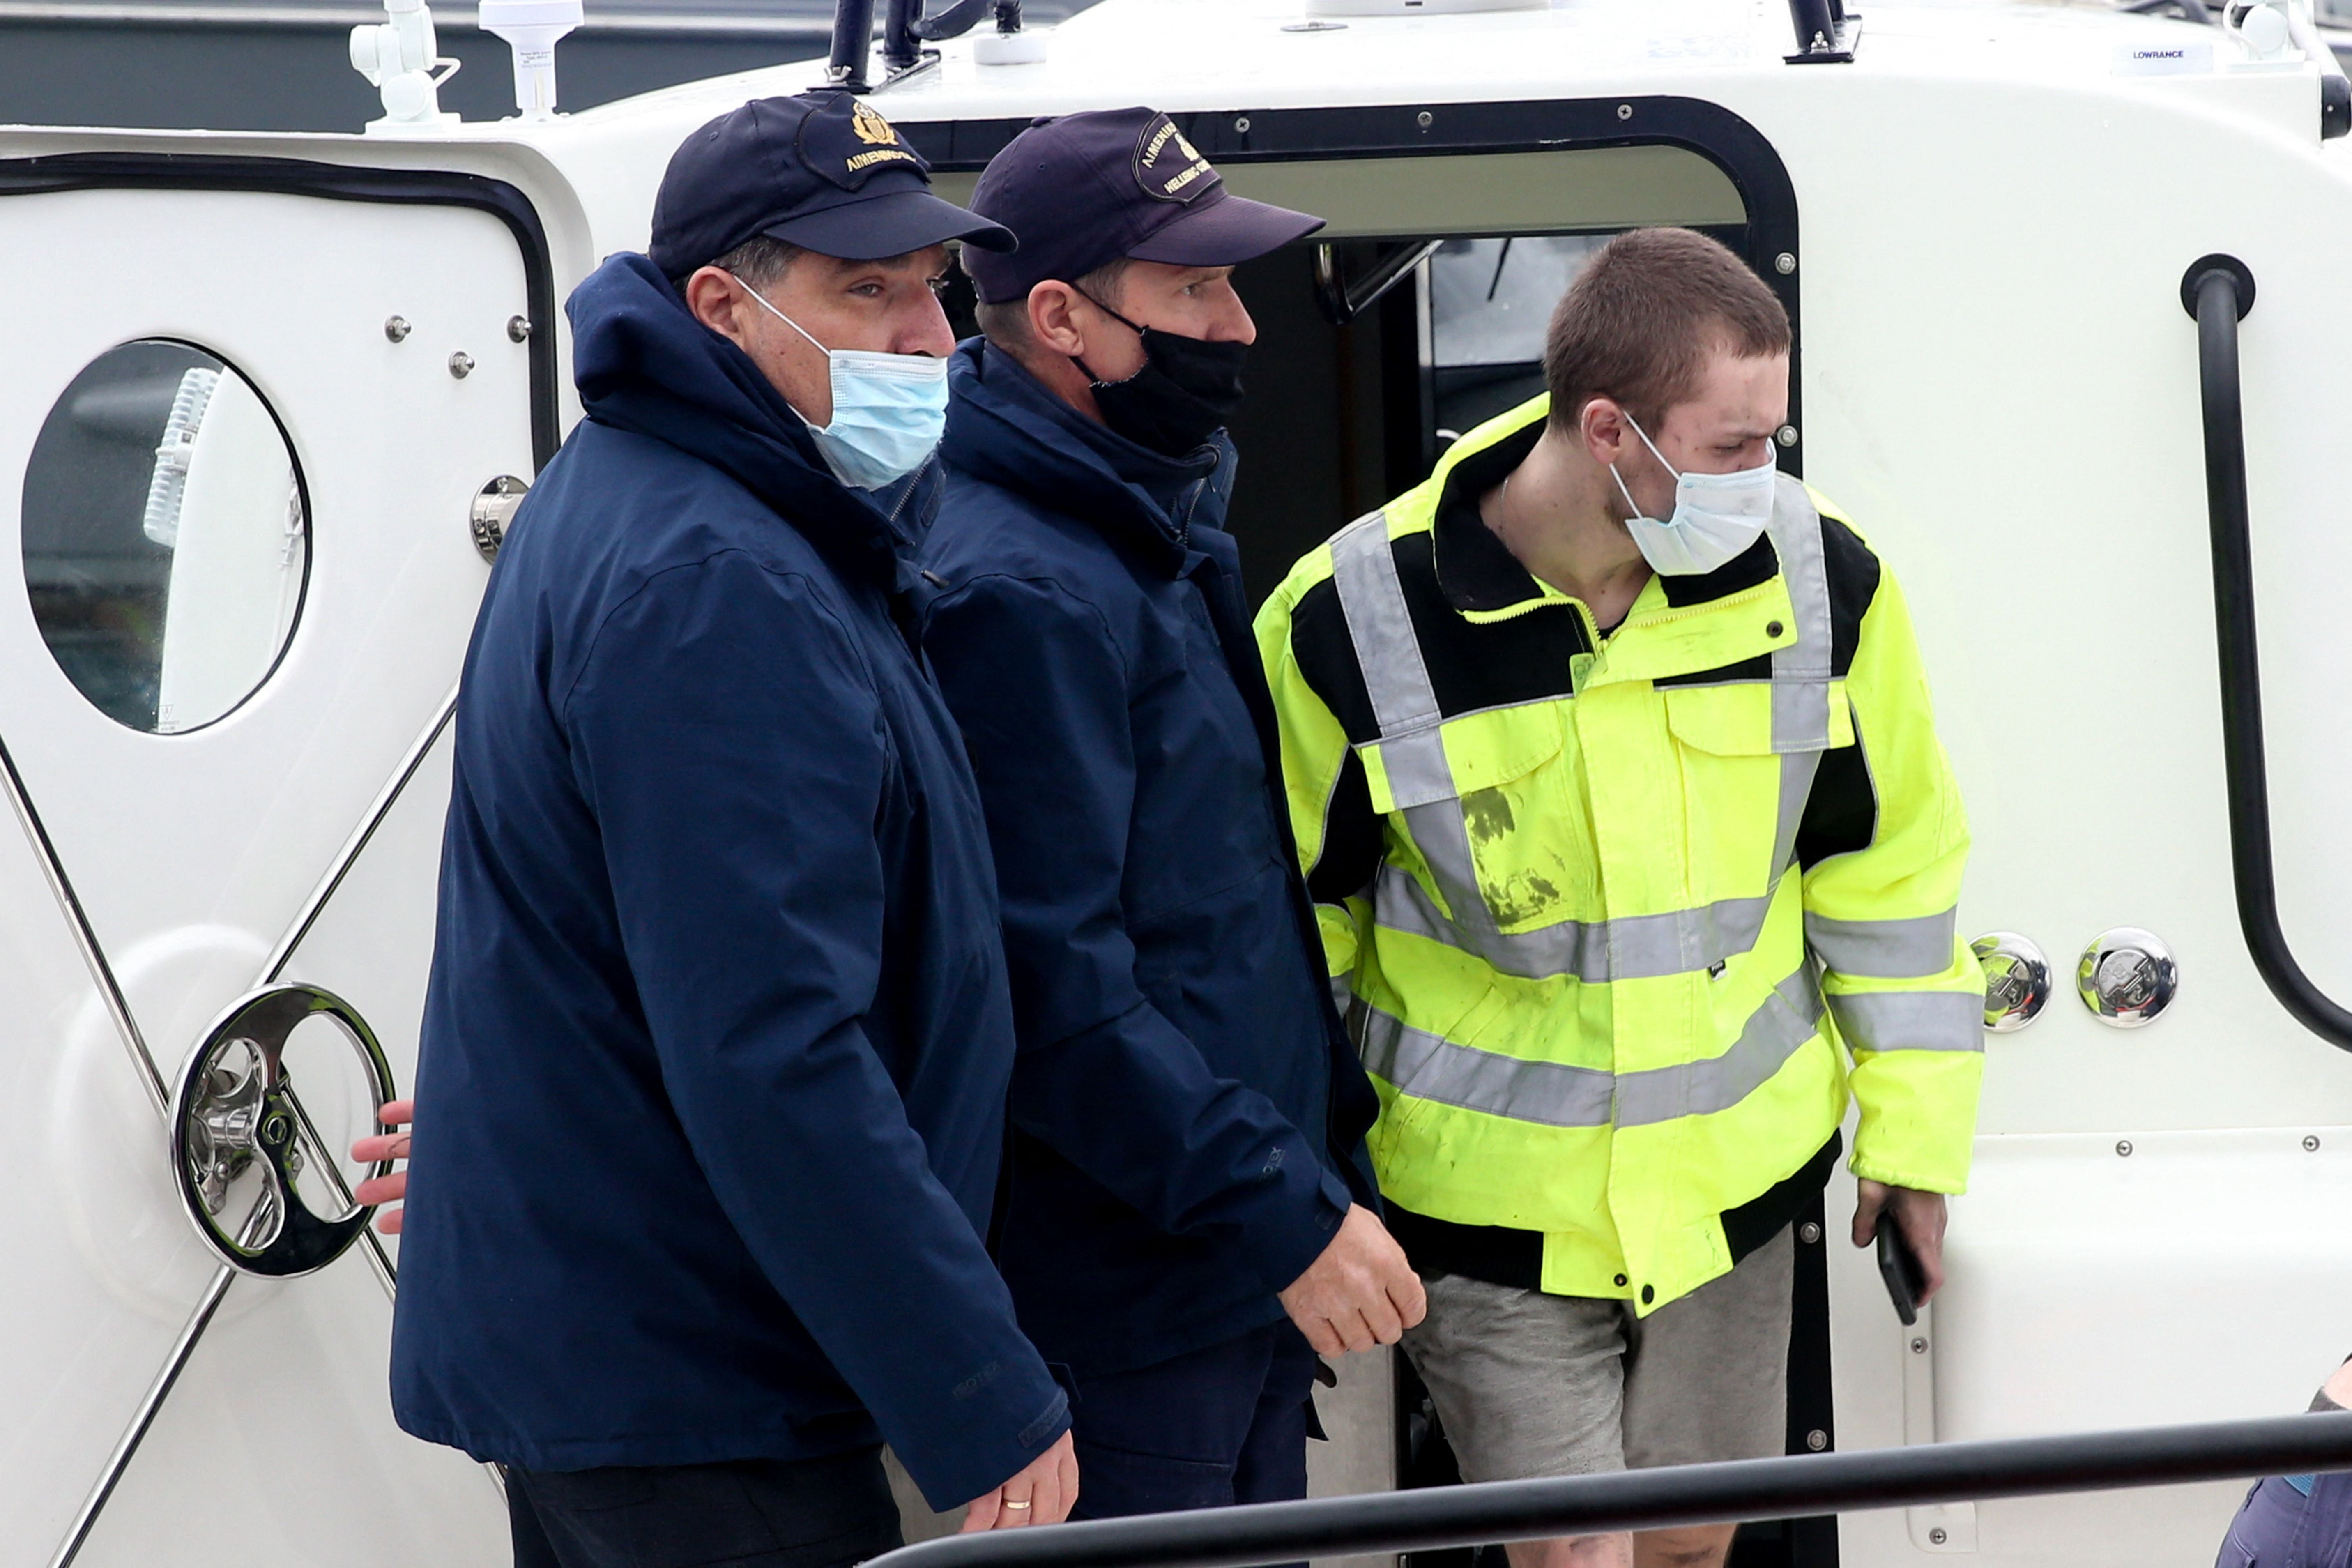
x: 2218, y: 290
x: 901, y: 49
x: 1436, y: 1517
x: 1825, y: 32
x: 853, y: 44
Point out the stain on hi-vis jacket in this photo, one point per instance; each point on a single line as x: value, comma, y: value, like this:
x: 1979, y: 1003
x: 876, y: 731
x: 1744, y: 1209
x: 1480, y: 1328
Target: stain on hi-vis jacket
x: 1607, y: 907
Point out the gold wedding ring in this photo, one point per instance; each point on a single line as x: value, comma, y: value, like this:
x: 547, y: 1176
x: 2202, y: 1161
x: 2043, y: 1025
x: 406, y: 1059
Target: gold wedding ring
x: 1010, y: 1503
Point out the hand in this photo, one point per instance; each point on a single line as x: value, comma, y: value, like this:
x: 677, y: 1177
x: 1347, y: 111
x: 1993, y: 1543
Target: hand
x: 1043, y: 1491
x: 2339, y: 1386
x: 1918, y: 1215
x: 1360, y: 1292
x: 378, y: 1146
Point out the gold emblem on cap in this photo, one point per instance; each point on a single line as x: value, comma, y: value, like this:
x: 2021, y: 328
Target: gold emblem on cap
x: 871, y: 127
x: 1159, y: 138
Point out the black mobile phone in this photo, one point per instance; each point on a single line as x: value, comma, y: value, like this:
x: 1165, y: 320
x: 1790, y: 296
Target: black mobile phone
x: 1899, y: 1265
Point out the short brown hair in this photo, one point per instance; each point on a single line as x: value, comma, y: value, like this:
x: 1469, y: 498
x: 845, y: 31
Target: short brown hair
x: 1639, y: 322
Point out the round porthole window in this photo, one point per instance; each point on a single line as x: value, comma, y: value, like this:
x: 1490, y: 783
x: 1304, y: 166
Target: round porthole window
x: 166, y: 536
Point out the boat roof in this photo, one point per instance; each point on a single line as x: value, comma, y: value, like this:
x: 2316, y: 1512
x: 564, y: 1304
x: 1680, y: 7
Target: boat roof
x: 1206, y: 55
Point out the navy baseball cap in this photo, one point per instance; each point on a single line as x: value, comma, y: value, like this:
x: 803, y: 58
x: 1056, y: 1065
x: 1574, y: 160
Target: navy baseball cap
x: 1084, y: 190
x: 822, y: 171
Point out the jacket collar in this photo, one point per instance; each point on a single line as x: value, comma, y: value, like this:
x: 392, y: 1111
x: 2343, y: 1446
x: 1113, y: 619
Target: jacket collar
x: 644, y: 364
x: 1005, y: 427
x: 1717, y: 618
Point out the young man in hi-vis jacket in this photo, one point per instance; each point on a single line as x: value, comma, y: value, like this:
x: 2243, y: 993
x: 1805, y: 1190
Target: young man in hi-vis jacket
x: 1612, y: 769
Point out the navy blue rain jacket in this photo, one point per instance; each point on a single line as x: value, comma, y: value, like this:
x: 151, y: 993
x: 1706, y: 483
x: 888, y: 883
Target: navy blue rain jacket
x: 716, y: 1048
x: 1189, y: 1115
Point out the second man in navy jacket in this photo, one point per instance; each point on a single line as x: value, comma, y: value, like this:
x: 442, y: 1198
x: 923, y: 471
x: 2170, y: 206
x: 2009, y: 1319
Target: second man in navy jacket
x: 1186, y: 1176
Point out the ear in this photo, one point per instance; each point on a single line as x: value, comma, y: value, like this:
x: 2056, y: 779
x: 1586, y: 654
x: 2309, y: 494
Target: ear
x: 1052, y: 323
x: 1601, y: 426
x: 716, y: 298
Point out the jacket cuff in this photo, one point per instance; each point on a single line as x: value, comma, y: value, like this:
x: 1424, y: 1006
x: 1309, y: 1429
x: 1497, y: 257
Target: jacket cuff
x: 1293, y: 1227
x: 1917, y: 1181
x: 991, y: 1434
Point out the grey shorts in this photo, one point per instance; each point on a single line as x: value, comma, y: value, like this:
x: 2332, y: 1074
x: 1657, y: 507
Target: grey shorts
x: 1529, y: 1385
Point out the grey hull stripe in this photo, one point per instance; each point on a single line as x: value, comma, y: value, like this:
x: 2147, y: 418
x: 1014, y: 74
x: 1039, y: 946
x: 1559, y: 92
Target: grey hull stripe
x: 1554, y: 1094
x: 1910, y: 1020
x: 1885, y: 950
x: 1632, y: 947
x: 1800, y: 672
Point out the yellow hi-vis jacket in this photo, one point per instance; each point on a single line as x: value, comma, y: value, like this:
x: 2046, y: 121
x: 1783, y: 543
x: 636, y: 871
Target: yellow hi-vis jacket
x: 1590, y: 894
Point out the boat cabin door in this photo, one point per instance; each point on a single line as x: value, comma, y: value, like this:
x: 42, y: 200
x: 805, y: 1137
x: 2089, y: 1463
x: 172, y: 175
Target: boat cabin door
x: 247, y: 409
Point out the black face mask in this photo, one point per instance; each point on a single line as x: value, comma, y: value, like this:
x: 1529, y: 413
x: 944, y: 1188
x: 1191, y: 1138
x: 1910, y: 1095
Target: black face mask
x: 1186, y: 391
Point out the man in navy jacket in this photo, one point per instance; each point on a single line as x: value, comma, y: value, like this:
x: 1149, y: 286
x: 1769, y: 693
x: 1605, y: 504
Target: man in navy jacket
x: 1186, y: 1180
x: 716, y: 1048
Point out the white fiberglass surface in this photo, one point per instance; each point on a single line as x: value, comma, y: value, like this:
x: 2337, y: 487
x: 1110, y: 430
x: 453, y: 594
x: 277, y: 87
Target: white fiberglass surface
x: 192, y: 853
x: 2000, y: 384
x: 278, y: 1446
x: 373, y: 945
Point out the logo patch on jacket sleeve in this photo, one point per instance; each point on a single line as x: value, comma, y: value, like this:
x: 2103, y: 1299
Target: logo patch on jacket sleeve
x: 1168, y: 167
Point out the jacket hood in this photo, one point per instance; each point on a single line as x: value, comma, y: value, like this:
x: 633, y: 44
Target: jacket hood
x: 644, y: 364
x: 1005, y: 427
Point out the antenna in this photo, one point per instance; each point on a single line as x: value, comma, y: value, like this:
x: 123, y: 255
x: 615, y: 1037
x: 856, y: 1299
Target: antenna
x: 531, y: 28
x: 400, y: 57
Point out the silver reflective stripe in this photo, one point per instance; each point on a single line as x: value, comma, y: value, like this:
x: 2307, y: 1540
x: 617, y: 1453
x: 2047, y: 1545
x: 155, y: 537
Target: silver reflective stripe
x: 1800, y: 672
x: 1554, y: 1094
x: 1885, y: 950
x: 1631, y: 947
x: 1404, y: 703
x: 1911, y: 1020
x: 1796, y: 770
x: 1776, y: 1031
x: 1380, y: 626
x: 1442, y: 836
x: 1417, y: 770
x: 1430, y: 1067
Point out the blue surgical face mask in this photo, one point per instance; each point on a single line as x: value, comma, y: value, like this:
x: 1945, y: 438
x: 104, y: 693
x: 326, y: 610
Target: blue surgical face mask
x: 888, y: 410
x: 1716, y: 516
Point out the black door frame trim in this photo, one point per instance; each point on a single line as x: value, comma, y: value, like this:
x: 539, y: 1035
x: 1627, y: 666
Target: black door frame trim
x: 1424, y: 130
x: 340, y: 182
